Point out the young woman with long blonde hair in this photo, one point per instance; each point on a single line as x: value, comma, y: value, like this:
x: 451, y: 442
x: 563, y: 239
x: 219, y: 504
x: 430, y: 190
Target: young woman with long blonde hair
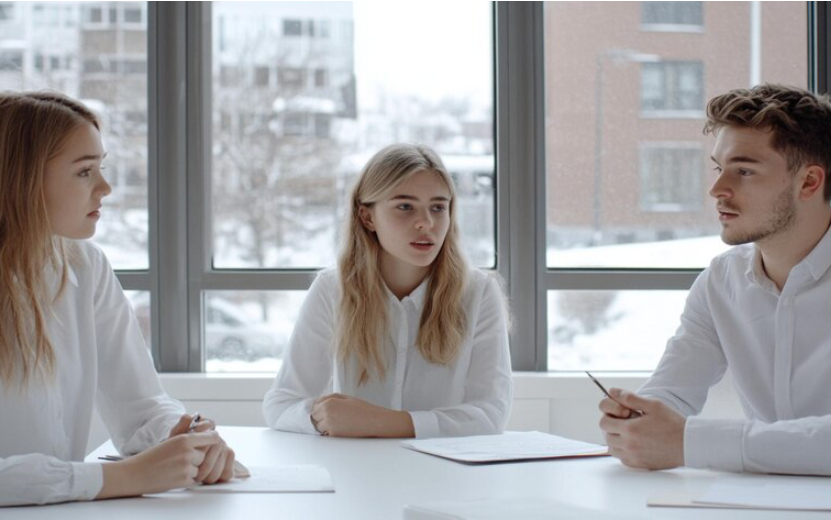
x: 403, y: 339
x: 68, y: 336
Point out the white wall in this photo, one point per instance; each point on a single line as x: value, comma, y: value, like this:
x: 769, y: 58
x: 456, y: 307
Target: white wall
x: 563, y: 404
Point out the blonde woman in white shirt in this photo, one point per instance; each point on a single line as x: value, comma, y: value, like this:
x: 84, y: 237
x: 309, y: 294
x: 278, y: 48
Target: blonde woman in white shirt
x: 68, y: 336
x: 403, y: 339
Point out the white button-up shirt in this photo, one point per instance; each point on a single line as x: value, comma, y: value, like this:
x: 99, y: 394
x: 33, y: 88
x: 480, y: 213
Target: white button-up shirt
x: 777, y: 346
x: 470, y: 396
x: 100, y: 358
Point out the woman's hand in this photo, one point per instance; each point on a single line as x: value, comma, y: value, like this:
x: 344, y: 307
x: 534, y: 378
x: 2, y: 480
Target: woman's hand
x: 218, y: 465
x: 175, y: 463
x: 341, y: 415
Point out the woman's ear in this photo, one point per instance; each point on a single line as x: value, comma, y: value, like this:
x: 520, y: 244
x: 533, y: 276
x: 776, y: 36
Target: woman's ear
x: 366, y: 218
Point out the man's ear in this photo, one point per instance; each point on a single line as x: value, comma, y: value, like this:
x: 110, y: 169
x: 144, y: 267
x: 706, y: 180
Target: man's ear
x: 812, y: 181
x: 366, y: 218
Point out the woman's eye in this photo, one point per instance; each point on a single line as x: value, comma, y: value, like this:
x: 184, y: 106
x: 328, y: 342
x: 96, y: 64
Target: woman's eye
x: 745, y: 173
x: 84, y: 173
x: 438, y: 208
x: 405, y: 207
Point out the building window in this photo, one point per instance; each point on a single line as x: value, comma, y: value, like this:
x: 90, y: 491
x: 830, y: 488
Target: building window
x: 672, y: 86
x: 292, y: 27
x: 133, y: 15
x: 6, y: 11
x: 291, y: 77
x: 671, y: 177
x: 321, y: 78
x: 294, y: 124
x: 672, y: 16
x: 261, y: 75
x: 11, y: 60
x: 94, y: 15
x: 323, y: 126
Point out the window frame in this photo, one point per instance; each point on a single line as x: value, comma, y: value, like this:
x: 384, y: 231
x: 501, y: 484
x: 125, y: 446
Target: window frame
x: 179, y: 137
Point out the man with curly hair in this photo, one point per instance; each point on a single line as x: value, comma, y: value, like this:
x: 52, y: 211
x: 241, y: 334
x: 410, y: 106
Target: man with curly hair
x: 761, y: 310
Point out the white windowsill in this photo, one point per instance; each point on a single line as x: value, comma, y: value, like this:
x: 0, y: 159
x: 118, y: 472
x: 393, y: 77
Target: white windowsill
x: 527, y: 385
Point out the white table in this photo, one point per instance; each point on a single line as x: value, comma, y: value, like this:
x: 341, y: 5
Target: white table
x: 374, y: 479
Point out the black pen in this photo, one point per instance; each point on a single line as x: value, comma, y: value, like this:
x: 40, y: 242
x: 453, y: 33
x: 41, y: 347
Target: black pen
x: 635, y: 413
x: 196, y: 418
x: 191, y: 427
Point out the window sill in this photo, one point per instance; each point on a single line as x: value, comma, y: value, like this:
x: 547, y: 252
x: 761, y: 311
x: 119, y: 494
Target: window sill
x: 527, y: 385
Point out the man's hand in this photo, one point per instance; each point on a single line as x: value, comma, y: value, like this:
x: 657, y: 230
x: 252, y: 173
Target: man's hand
x: 654, y: 440
x: 218, y: 465
x: 341, y: 415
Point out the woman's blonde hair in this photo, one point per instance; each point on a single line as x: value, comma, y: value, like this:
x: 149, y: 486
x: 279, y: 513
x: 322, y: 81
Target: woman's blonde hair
x: 34, y: 127
x: 362, y: 323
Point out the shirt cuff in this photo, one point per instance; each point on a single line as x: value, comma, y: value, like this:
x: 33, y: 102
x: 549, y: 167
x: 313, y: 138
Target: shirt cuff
x: 425, y: 424
x: 297, y: 418
x: 714, y: 444
x: 87, y: 480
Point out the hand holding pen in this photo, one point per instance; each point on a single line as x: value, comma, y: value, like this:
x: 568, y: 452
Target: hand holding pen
x: 632, y: 413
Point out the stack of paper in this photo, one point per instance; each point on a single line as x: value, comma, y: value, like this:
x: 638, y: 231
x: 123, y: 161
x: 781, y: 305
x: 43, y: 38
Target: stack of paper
x: 756, y: 492
x: 276, y: 479
x: 509, y: 446
x: 526, y: 508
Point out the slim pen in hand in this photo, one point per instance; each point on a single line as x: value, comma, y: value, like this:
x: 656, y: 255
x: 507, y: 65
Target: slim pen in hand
x: 635, y: 413
x: 196, y: 418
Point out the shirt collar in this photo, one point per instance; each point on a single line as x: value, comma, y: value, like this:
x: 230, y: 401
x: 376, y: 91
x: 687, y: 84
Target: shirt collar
x: 819, y: 259
x: 416, y: 297
x: 816, y: 263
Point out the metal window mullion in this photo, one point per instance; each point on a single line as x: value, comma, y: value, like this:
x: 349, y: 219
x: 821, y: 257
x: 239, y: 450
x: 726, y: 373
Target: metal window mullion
x: 819, y: 26
x: 167, y: 185
x: 134, y: 280
x: 230, y: 280
x: 200, y: 84
x: 620, y: 280
x: 521, y: 176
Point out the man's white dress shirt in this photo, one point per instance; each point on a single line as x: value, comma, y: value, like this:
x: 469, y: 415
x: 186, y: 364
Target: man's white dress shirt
x: 100, y: 359
x: 470, y: 396
x: 777, y: 346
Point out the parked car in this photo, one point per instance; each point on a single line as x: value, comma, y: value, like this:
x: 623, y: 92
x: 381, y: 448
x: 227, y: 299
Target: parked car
x: 229, y: 332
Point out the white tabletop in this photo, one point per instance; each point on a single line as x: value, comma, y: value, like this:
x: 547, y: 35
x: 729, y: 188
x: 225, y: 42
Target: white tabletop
x: 375, y: 479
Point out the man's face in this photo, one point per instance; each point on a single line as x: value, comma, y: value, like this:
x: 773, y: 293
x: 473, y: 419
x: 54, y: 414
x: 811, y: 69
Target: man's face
x: 754, y: 191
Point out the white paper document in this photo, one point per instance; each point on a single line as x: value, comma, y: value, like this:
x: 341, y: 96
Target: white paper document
x: 509, y: 446
x: 808, y: 493
x: 526, y: 508
x: 755, y: 492
x: 276, y: 479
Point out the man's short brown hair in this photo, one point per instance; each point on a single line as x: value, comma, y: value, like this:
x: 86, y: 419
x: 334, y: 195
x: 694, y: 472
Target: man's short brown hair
x: 799, y: 120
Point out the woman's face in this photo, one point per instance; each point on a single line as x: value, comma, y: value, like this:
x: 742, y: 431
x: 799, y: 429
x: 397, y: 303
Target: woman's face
x: 412, y: 222
x: 74, y: 186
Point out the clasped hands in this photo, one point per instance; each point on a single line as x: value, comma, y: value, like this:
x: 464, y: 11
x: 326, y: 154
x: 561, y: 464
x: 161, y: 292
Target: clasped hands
x: 184, y: 459
x: 652, y: 440
x: 340, y: 415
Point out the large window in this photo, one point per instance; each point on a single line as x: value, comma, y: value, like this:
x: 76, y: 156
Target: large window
x: 629, y: 220
x: 74, y: 48
x: 286, y: 153
x: 230, y: 171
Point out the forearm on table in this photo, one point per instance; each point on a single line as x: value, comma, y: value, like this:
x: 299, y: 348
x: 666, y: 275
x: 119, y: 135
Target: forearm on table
x: 393, y: 424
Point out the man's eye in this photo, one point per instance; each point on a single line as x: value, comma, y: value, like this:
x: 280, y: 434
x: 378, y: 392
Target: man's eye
x: 745, y: 173
x: 84, y: 173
